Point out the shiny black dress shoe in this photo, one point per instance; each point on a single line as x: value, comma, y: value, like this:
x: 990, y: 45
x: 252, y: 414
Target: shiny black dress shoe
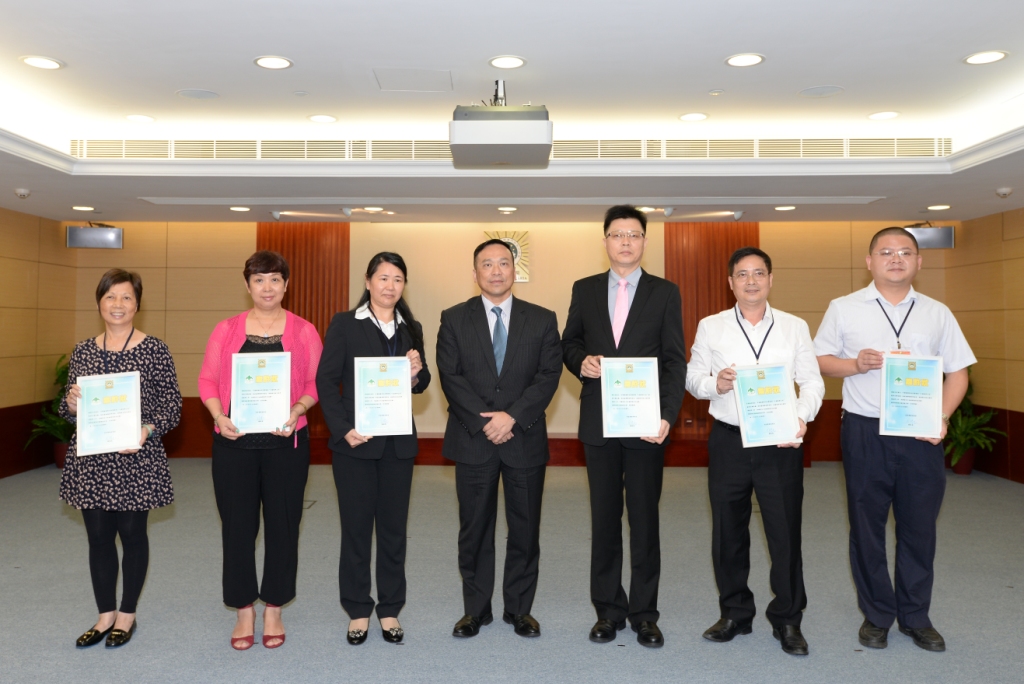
x: 648, y: 634
x: 92, y: 637
x: 604, y: 630
x: 925, y: 637
x: 118, y: 637
x: 873, y: 636
x: 356, y: 636
x: 726, y: 629
x: 393, y: 635
x: 791, y: 638
x: 525, y: 624
x: 469, y: 625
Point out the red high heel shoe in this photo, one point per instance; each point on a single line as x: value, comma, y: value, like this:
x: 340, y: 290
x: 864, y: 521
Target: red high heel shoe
x: 246, y: 642
x: 269, y: 637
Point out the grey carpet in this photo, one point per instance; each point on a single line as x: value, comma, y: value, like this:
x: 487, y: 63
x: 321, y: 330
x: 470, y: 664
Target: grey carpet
x: 183, y: 627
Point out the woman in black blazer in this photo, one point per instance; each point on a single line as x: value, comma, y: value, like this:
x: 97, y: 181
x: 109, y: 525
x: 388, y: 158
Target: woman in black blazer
x: 373, y: 475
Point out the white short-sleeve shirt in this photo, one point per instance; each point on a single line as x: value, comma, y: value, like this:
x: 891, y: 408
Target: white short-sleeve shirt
x: 857, y: 322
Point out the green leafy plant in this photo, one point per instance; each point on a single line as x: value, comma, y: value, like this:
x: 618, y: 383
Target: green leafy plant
x: 968, y: 430
x: 51, y: 423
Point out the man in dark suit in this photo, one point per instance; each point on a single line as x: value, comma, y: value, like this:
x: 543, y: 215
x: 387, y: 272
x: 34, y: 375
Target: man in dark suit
x: 499, y: 362
x: 625, y: 312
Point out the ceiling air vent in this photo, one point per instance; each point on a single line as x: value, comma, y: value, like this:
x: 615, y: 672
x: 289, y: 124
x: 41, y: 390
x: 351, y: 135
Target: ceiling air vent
x: 147, y: 149
x: 686, y: 149
x: 104, y: 149
x: 872, y: 147
x: 731, y: 149
x: 391, y: 149
x: 325, y: 149
x: 283, y: 149
x: 653, y: 149
x: 357, y: 149
x: 77, y: 148
x: 778, y: 149
x: 945, y: 146
x: 575, y: 149
x: 620, y: 149
x: 823, y: 147
x: 235, y: 149
x: 431, y: 149
x: 193, y: 149
x: 915, y: 147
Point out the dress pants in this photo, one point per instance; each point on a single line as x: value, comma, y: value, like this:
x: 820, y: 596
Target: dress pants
x: 776, y: 475
x: 477, y: 488
x: 910, y: 476
x: 373, y: 492
x: 610, y: 468
x: 243, y: 479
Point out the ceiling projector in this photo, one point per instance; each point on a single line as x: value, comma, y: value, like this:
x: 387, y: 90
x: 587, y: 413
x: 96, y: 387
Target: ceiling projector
x: 499, y: 136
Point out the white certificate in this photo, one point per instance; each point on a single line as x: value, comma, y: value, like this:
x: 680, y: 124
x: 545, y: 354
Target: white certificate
x: 261, y: 387
x: 911, y: 401
x: 766, y: 405
x: 383, y: 387
x: 109, y: 413
x: 630, y: 397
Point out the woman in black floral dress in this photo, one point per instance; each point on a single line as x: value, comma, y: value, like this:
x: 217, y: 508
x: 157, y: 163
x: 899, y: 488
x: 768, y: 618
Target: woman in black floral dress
x: 116, y: 491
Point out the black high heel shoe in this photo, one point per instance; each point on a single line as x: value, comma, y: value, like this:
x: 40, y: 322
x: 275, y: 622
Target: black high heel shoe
x: 118, y: 637
x: 92, y: 637
x: 393, y: 635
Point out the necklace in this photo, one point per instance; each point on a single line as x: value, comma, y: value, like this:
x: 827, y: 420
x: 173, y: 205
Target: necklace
x: 266, y: 330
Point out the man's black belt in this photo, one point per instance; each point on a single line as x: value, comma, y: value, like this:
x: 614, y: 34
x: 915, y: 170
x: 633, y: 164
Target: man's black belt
x: 728, y: 426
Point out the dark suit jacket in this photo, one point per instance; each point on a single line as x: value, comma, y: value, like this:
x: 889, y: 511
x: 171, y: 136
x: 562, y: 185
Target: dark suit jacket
x: 469, y: 378
x: 346, y: 339
x: 654, y: 327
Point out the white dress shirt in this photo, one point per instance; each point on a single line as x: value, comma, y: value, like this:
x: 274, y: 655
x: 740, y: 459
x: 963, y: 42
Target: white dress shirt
x: 506, y: 313
x: 387, y: 328
x: 856, y: 322
x: 720, y: 343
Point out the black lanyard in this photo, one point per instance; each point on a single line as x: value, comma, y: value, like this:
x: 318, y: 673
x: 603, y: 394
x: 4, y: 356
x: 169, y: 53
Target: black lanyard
x: 106, y: 364
x: 898, y: 346
x: 392, y: 348
x: 757, y: 352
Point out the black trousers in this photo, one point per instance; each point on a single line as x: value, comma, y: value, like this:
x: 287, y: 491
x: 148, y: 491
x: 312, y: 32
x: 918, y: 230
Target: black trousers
x: 373, y: 492
x: 908, y: 475
x: 776, y: 475
x: 610, y: 469
x: 477, y: 489
x: 102, y: 528
x: 243, y: 480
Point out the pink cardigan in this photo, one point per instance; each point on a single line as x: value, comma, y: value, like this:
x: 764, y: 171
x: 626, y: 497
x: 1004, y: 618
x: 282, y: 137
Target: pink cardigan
x: 300, y: 338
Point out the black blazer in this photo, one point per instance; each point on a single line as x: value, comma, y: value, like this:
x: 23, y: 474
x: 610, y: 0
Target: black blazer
x: 346, y: 339
x: 470, y: 380
x: 654, y: 327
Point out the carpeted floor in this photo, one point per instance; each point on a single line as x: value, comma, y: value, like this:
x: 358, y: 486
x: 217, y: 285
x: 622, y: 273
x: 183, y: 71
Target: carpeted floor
x: 183, y: 627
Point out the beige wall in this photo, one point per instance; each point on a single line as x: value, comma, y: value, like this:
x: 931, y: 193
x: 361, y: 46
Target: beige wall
x: 440, y: 262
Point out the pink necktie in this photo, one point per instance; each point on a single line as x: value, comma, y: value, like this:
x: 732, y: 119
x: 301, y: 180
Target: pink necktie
x: 621, y: 311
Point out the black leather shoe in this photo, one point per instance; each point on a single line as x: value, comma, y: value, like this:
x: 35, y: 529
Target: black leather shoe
x: 525, y: 624
x: 92, y: 637
x: 791, y: 638
x: 648, y: 634
x: 356, y: 636
x: 925, y: 637
x: 393, y: 635
x: 873, y: 636
x: 469, y: 625
x: 604, y: 630
x: 725, y: 629
x: 118, y: 637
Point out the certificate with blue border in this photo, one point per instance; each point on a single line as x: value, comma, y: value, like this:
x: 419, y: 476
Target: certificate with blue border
x: 766, y: 405
x: 109, y: 413
x: 630, y: 397
x: 383, y: 402
x: 261, y: 391
x: 911, y: 401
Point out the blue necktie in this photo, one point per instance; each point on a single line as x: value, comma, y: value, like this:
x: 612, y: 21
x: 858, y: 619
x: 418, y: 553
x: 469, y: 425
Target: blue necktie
x: 499, y: 338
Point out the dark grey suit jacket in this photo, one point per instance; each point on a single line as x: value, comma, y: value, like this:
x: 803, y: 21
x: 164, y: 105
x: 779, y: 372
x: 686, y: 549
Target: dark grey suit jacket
x: 471, y: 383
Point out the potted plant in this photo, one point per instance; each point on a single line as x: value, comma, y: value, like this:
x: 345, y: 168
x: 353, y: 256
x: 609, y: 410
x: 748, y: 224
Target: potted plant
x: 51, y: 424
x: 967, y: 432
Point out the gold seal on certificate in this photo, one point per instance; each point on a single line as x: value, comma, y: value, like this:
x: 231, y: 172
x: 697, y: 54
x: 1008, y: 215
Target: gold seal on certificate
x: 630, y: 397
x: 383, y: 401
x: 911, y: 402
x: 261, y: 389
x: 109, y: 413
x: 766, y: 405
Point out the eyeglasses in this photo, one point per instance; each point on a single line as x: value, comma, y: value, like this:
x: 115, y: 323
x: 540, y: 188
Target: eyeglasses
x: 888, y: 254
x: 746, y: 275
x: 622, y: 237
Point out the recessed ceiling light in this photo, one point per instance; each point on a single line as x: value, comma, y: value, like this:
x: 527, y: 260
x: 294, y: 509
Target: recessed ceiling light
x: 300, y: 93
x: 506, y: 209
x: 938, y: 207
x: 197, y: 94
x: 786, y: 208
x: 716, y: 92
x: 390, y: 213
x: 373, y: 208
x: 239, y: 208
x: 507, y: 62
x: 43, y: 62
x: 646, y: 210
x: 822, y: 91
x: 986, y: 57
x: 139, y: 118
x: 83, y: 208
x: 272, y: 62
x: 322, y: 118
x: 694, y: 116
x: 882, y: 116
x: 745, y: 60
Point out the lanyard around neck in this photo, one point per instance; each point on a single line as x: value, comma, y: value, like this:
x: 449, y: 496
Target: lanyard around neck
x: 898, y: 345
x: 757, y: 352
x: 392, y: 342
x: 106, y: 363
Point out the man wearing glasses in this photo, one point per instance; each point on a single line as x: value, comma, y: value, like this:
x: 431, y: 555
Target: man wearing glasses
x: 625, y: 312
x: 882, y: 471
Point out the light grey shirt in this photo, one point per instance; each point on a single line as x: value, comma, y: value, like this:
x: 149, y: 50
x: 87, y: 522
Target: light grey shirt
x: 506, y: 313
x: 613, y: 288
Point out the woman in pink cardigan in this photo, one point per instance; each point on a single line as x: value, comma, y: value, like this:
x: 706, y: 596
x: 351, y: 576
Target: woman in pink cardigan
x: 268, y: 469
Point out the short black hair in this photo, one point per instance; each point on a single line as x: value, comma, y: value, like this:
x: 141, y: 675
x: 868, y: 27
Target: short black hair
x: 493, y: 241
x: 265, y: 261
x: 624, y: 211
x: 116, y: 276
x: 743, y: 252
x: 891, y: 230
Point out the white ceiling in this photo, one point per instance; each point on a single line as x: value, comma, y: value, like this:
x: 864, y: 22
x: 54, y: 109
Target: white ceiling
x: 604, y: 70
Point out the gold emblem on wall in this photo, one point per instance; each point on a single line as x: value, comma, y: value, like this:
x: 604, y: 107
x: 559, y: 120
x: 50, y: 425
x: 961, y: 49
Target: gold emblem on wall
x: 520, y: 244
